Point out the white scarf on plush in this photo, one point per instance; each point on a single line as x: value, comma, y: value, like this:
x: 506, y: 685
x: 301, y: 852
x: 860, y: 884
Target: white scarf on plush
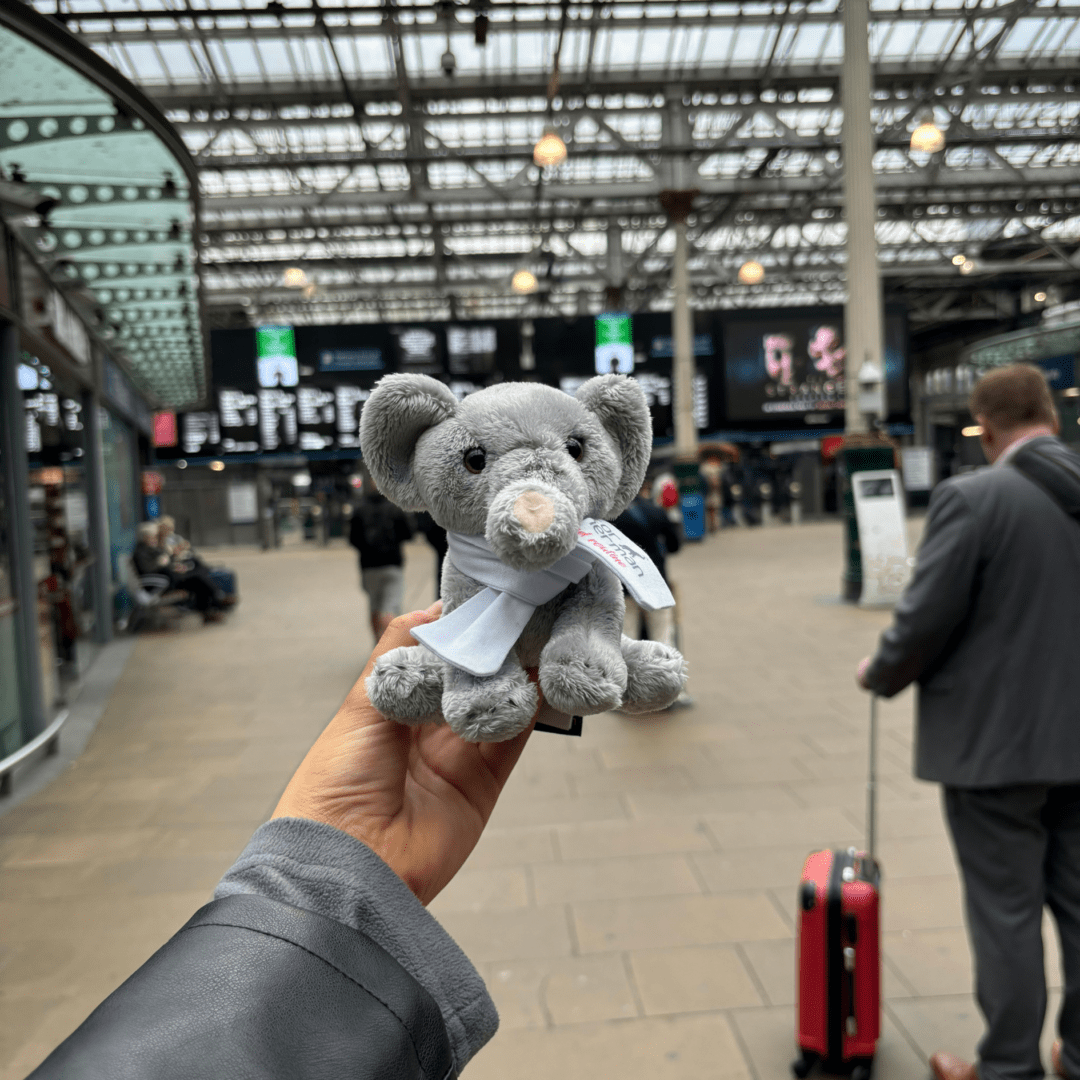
x: 477, y: 636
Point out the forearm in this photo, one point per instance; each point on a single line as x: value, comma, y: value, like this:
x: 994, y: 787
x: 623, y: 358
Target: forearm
x: 935, y: 602
x: 316, y: 867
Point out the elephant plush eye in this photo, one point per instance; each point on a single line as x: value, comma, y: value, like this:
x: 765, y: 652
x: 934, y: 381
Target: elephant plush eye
x: 475, y: 459
x: 574, y: 448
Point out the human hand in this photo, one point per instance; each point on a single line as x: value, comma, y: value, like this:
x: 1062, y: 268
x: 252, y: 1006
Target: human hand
x: 861, y: 670
x: 418, y: 796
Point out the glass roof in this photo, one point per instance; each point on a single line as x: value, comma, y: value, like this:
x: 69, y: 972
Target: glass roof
x: 386, y: 149
x: 117, y: 238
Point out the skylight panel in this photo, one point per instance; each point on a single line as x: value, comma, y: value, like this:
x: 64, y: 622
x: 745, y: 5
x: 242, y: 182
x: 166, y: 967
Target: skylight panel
x: 167, y: 61
x: 718, y: 41
x: 363, y: 56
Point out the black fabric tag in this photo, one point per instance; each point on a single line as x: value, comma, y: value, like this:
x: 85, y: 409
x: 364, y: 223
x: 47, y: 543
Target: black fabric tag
x: 574, y: 729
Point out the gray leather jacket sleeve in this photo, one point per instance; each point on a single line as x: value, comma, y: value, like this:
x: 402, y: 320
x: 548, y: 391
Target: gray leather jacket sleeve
x: 319, y: 868
x: 314, y: 962
x: 937, y: 600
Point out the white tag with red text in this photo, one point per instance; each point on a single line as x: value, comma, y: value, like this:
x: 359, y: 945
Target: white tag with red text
x: 627, y: 561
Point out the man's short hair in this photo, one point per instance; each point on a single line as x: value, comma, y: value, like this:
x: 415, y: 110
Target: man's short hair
x: 1013, y: 397
x: 148, y: 530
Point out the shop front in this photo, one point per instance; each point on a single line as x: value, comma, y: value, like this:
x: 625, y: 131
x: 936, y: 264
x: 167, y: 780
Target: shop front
x: 99, y: 327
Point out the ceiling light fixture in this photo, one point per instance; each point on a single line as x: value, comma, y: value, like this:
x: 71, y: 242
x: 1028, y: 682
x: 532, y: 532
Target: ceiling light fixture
x: 549, y: 150
x: 971, y: 432
x: 523, y: 281
x: 959, y: 260
x: 751, y: 272
x: 294, y: 278
x: 217, y: 466
x: 967, y: 266
x: 1040, y: 297
x: 928, y: 138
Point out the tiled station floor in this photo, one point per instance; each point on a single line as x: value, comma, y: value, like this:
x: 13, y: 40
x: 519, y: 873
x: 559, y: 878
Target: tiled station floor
x: 631, y: 905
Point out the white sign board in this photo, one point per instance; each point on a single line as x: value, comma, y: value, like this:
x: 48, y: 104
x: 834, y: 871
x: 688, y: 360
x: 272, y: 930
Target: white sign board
x: 918, y: 468
x: 879, y: 510
x: 243, y: 503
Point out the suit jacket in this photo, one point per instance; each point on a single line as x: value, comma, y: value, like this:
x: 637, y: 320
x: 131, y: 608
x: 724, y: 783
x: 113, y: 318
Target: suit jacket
x: 989, y: 627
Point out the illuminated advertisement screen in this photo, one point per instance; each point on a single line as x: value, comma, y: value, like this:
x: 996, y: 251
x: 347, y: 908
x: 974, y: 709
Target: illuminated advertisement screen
x: 275, y: 354
x: 785, y: 367
x: 165, y: 429
x: 614, y: 344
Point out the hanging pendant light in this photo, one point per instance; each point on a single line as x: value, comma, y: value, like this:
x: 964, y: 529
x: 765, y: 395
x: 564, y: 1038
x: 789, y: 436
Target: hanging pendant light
x: 928, y: 138
x: 751, y: 272
x: 523, y: 281
x: 549, y: 150
x: 294, y: 278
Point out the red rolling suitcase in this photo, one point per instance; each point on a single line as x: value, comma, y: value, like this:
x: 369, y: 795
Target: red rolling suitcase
x: 839, y: 958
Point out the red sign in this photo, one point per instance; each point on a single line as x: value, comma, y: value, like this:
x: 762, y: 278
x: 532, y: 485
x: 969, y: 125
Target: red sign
x: 165, y: 433
x: 152, y: 483
x: 831, y: 445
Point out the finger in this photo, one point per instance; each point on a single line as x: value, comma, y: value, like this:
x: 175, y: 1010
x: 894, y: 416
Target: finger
x: 501, y: 757
x: 399, y: 633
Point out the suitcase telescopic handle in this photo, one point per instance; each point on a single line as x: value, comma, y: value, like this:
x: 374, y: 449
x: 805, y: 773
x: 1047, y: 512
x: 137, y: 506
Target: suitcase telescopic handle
x: 871, y: 780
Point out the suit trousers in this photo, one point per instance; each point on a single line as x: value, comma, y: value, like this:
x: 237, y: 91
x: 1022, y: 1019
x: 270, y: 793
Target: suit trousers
x: 1019, y: 849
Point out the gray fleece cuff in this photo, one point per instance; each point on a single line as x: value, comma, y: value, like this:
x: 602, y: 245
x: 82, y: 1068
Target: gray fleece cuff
x: 319, y: 868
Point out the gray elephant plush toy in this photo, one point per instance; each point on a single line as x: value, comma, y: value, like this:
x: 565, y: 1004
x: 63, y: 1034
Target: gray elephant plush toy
x: 522, y: 476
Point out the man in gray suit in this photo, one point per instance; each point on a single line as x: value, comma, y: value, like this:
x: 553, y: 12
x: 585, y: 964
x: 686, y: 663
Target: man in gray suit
x: 989, y: 627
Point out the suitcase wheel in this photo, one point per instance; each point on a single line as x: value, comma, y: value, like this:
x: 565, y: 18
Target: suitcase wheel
x: 803, y: 1065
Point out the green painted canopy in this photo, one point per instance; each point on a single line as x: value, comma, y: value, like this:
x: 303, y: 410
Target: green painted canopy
x: 114, y: 229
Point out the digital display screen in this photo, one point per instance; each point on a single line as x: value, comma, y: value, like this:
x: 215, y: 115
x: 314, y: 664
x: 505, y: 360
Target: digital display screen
x: 470, y: 349
x: 283, y: 390
x: 784, y: 367
x: 417, y: 349
x: 367, y: 359
x: 165, y: 429
x: 614, y: 344
x: 275, y: 351
x: 879, y: 488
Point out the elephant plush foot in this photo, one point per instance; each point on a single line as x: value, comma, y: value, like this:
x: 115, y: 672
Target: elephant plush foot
x: 656, y: 675
x: 406, y: 685
x: 491, y: 708
x: 581, y: 675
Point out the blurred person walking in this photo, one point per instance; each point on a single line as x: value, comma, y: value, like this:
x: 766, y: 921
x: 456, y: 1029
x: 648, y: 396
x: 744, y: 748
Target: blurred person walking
x: 712, y: 473
x: 377, y: 530
x: 435, y: 535
x: 988, y: 628
x: 658, y: 536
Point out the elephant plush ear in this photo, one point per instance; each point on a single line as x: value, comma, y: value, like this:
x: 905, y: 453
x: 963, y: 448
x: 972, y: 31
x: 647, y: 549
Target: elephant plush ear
x: 621, y: 407
x: 401, y: 408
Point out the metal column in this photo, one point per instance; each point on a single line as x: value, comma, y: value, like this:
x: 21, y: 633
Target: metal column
x: 678, y: 204
x: 682, y: 340
x: 862, y: 318
x: 13, y: 434
x: 99, y: 520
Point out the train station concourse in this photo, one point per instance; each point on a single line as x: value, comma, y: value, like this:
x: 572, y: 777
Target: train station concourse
x: 682, y: 351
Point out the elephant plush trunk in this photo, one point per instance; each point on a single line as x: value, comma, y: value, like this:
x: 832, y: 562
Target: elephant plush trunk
x: 532, y: 524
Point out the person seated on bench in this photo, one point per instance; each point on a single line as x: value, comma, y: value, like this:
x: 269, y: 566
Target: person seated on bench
x: 150, y: 558
x: 186, y: 560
